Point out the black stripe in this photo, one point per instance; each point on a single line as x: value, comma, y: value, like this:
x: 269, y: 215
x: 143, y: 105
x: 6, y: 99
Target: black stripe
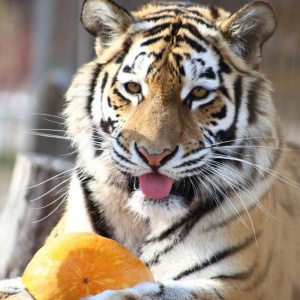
x: 176, y: 3
x: 252, y: 101
x: 152, y: 41
x: 120, y: 58
x: 237, y: 276
x: 202, y: 22
x: 218, y: 256
x: 224, y: 91
x: 192, y: 171
x: 221, y: 114
x: 193, y: 30
x: 207, y: 137
x: 209, y: 131
x: 170, y: 156
x: 193, y: 161
x: 178, y: 58
x: 214, y: 11
x: 171, y: 11
x: 167, y: 38
x: 123, y: 158
x: 175, y: 28
x: 115, y: 79
x: 199, y: 60
x: 208, y: 73
x: 120, y: 144
x: 187, y: 221
x: 104, y: 81
x: 116, y: 92
x: 223, y: 66
x: 121, y: 168
x: 157, y: 29
x: 181, y: 71
x: 230, y: 134
x: 95, y: 211
x: 192, y: 43
x: 158, y: 55
x: 109, y: 101
x: 184, y: 227
x: 95, y: 75
x: 143, y: 53
x: 108, y: 126
x: 194, y: 11
x: 158, y: 18
x: 127, y: 69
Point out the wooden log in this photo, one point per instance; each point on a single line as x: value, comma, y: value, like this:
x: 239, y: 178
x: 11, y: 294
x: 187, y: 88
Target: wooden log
x: 34, y: 205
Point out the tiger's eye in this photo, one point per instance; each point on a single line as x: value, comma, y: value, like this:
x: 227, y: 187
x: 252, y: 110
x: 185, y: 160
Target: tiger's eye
x: 133, y: 88
x: 199, y: 92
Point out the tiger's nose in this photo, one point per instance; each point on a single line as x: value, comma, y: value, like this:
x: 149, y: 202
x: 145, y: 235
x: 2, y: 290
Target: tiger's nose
x: 153, y: 160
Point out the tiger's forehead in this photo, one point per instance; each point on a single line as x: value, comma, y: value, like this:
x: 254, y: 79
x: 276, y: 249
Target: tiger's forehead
x: 160, y: 10
x: 169, y: 34
x: 174, y: 48
x: 204, y: 22
x: 179, y: 56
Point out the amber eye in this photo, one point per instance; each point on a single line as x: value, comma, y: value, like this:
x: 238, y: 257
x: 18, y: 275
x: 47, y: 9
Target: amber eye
x: 133, y: 88
x: 199, y: 92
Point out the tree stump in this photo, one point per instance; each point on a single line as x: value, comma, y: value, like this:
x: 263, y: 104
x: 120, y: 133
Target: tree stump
x: 34, y: 205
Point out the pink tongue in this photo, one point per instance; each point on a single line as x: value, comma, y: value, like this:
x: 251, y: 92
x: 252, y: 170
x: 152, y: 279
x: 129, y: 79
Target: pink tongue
x: 155, y: 185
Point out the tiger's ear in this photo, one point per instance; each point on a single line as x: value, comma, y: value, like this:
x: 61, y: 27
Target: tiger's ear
x: 248, y: 29
x: 105, y: 20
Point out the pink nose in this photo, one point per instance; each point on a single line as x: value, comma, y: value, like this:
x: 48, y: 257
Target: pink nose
x: 154, y: 160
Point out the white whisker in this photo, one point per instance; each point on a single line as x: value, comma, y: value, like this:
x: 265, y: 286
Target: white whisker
x: 58, y: 206
x: 58, y: 176
x: 47, y: 193
x: 260, y: 168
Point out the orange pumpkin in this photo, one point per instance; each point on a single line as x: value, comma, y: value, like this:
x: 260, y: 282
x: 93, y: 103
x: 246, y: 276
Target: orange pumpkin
x: 76, y: 265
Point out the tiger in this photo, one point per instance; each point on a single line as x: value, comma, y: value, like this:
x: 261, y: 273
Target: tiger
x: 180, y: 153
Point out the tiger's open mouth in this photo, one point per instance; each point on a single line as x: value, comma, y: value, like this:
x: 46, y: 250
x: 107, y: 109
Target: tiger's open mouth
x: 156, y: 186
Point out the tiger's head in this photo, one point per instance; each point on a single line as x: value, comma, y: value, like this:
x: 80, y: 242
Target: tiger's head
x: 174, y: 109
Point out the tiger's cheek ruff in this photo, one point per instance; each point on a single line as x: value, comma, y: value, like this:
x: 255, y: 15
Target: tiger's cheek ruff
x: 80, y: 99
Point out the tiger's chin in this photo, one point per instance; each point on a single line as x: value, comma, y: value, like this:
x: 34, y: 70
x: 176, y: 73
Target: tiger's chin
x: 168, y: 207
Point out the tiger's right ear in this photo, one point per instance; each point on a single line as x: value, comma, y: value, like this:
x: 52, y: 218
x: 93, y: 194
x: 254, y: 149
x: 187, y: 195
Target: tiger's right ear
x: 105, y: 20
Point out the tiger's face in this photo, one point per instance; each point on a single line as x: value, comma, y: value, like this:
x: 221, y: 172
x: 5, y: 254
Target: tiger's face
x: 165, y: 100
x: 166, y: 106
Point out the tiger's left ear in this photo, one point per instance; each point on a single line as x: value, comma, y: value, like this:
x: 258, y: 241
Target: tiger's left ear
x: 105, y: 20
x: 248, y: 29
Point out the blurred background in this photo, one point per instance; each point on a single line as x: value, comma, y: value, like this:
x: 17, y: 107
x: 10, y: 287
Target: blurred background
x: 42, y: 44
